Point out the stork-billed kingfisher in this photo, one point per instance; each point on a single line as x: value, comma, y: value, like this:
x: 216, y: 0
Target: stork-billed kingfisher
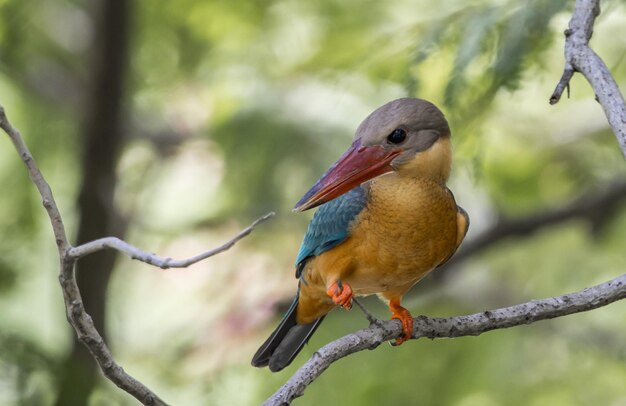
x: 386, y: 219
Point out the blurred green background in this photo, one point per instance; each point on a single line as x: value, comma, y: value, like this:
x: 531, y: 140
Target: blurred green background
x: 174, y: 124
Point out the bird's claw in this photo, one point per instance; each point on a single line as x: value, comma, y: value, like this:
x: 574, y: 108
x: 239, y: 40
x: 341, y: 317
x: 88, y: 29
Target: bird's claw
x: 341, y: 294
x: 406, y: 319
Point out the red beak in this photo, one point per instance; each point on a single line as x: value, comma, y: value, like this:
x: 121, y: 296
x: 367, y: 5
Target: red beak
x: 357, y: 165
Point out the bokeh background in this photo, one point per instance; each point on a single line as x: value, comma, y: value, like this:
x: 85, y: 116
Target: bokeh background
x: 174, y: 124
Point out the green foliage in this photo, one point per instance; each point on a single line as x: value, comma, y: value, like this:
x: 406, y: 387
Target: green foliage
x: 492, y: 46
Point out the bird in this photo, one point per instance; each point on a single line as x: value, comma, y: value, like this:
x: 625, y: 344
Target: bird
x: 385, y: 219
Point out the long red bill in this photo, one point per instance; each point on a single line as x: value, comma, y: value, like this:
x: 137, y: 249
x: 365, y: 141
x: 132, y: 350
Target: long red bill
x: 357, y: 165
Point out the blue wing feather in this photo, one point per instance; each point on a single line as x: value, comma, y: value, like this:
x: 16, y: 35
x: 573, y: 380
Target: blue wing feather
x: 330, y: 225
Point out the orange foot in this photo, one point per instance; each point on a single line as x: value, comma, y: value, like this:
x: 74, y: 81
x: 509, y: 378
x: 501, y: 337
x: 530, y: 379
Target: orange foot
x: 341, y: 294
x: 402, y: 314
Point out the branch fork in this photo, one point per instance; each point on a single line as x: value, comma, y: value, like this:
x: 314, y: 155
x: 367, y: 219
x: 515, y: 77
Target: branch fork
x: 69, y: 255
x: 579, y: 57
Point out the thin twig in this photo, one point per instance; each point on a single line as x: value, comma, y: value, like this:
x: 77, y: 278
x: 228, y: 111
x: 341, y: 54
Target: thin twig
x: 579, y: 57
x: 369, y: 316
x: 563, y: 84
x: 449, y: 327
x: 152, y: 259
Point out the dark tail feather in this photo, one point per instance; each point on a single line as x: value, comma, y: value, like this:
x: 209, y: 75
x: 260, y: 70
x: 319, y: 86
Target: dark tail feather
x: 285, y: 342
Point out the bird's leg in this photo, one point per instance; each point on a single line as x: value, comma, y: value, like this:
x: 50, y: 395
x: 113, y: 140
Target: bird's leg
x: 341, y: 294
x: 370, y: 317
x: 402, y: 314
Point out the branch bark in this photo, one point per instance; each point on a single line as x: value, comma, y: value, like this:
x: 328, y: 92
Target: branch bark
x: 77, y: 316
x: 115, y: 243
x: 579, y: 57
x: 448, y: 327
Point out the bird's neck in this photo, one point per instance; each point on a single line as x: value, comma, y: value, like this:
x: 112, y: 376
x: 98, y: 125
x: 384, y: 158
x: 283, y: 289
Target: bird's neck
x: 433, y: 164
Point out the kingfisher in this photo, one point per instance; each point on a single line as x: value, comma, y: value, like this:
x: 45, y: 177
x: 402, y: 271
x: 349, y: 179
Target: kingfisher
x: 385, y: 219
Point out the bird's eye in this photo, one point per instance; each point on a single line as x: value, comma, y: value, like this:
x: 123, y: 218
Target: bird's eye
x: 397, y: 136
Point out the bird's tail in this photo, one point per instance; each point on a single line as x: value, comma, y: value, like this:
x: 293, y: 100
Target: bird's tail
x: 285, y: 342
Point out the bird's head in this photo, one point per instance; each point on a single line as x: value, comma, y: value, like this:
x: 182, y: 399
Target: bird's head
x: 408, y: 136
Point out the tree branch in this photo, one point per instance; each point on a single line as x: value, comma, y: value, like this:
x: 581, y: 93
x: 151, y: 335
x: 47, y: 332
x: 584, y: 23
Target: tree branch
x: 152, y: 259
x: 579, y: 57
x: 449, y: 327
x: 42, y: 186
x: 75, y: 310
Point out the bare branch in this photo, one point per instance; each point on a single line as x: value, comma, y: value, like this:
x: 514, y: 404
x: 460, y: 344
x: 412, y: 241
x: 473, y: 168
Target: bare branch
x: 75, y: 311
x: 152, y: 259
x: 449, y: 327
x: 91, y: 338
x: 563, y: 84
x: 579, y: 57
x: 77, y: 316
x: 42, y: 186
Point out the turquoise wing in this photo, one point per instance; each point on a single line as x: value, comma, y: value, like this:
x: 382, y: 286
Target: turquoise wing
x: 330, y: 225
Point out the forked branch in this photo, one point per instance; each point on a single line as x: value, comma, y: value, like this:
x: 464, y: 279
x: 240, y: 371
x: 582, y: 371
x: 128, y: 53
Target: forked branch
x: 579, y: 57
x: 75, y: 311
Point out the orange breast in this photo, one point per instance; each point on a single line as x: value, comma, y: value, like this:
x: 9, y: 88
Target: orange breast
x: 409, y: 227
